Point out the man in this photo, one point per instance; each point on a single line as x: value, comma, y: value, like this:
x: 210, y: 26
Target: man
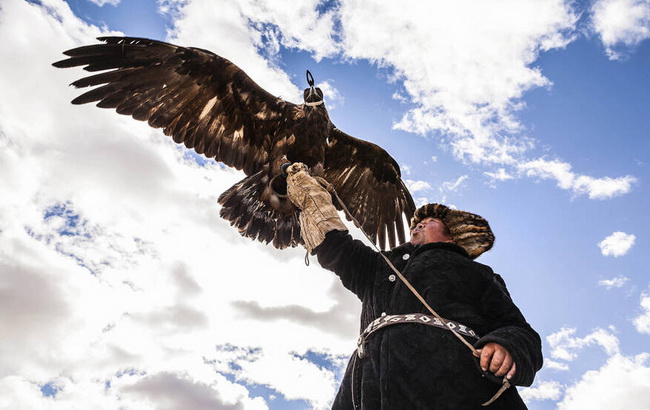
x: 405, y: 358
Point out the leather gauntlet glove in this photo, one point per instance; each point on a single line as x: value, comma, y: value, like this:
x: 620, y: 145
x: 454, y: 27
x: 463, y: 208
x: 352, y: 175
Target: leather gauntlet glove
x: 318, y: 216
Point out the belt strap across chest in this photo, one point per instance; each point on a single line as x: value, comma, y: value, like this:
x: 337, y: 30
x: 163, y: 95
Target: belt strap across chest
x: 419, y: 318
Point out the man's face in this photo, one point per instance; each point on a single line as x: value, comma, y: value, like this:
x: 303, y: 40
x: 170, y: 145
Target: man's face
x: 429, y: 230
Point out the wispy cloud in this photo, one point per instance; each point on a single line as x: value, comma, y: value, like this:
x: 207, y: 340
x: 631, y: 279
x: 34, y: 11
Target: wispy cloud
x: 472, y: 94
x: 621, y: 24
x: 415, y: 186
x: 264, y: 24
x: 543, y: 390
x: 566, y: 346
x: 499, y: 175
x: 555, y: 365
x: 101, y: 3
x: 455, y: 185
x: 621, y: 383
x: 595, y: 188
x: 616, y: 282
x: 452, y: 186
x: 642, y: 322
x: 333, y: 97
x: 617, y: 244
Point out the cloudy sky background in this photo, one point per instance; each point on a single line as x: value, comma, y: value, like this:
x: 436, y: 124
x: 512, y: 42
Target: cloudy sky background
x: 120, y: 286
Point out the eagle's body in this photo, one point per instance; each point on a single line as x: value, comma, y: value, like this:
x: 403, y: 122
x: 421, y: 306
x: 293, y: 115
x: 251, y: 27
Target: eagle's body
x: 210, y: 105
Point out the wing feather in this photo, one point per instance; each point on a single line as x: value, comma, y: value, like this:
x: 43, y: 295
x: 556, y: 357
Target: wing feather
x: 369, y: 181
x: 200, y: 99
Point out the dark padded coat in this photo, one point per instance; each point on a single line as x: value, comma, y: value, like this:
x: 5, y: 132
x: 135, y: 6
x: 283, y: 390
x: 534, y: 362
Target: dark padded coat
x: 413, y: 366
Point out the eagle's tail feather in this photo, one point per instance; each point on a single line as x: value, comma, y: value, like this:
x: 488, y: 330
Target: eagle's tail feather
x: 243, y: 207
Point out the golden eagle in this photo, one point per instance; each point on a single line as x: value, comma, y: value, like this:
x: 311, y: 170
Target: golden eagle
x: 209, y: 104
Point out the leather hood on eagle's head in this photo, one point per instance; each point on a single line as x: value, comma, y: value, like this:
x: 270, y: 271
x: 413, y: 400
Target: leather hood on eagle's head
x: 313, y: 95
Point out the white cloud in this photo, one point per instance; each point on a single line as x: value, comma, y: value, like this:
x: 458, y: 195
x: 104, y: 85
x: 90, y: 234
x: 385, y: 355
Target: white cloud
x: 397, y: 96
x: 603, y: 188
x: 447, y: 187
x: 500, y: 175
x: 462, y: 81
x: 118, y: 274
x: 543, y: 390
x: 595, y: 188
x: 554, y: 365
x: 101, y: 3
x: 622, y: 383
x: 299, y: 25
x: 421, y: 201
x: 415, y: 186
x: 332, y: 96
x: 455, y: 185
x: 226, y: 29
x: 444, y: 188
x: 239, y: 30
x: 621, y: 24
x: 565, y: 346
x: 475, y: 63
x: 642, y: 322
x: 617, y: 244
x: 300, y: 379
x: 616, y: 282
x: 174, y: 391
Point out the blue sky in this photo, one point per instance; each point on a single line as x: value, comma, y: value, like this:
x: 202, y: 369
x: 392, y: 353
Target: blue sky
x: 120, y: 286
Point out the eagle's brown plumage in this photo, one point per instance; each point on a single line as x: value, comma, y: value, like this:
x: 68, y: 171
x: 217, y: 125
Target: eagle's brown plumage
x: 210, y: 105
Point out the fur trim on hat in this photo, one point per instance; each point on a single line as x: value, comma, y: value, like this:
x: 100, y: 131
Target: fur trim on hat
x: 470, y: 231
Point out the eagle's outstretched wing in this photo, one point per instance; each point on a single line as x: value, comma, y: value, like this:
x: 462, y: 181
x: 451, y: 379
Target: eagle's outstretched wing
x: 368, y: 180
x: 209, y: 104
x: 197, y: 97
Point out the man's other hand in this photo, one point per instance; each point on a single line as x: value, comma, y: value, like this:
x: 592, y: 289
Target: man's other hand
x: 498, y: 360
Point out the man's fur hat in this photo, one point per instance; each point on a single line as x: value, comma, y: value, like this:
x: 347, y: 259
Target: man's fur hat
x: 470, y: 231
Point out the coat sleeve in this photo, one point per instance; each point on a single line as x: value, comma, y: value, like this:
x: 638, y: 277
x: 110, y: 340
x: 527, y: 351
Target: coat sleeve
x: 510, y: 329
x: 350, y: 259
